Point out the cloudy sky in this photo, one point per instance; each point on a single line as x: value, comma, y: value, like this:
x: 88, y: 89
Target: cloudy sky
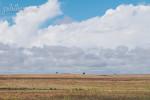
x: 94, y: 36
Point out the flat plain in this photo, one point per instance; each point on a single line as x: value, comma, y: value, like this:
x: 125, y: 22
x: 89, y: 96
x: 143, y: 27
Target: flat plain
x: 74, y: 87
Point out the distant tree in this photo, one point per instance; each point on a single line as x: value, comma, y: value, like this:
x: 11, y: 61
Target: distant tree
x: 56, y: 72
x: 83, y: 73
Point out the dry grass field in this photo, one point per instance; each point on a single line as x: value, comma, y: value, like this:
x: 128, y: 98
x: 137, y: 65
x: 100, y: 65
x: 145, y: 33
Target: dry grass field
x: 74, y: 87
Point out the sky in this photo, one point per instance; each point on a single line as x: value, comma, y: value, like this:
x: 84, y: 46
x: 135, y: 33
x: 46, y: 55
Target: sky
x: 76, y: 9
x: 75, y: 36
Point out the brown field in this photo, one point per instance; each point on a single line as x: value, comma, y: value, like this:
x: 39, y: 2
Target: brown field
x: 74, y: 87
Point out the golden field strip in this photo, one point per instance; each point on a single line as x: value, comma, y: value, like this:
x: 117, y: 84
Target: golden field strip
x: 74, y: 87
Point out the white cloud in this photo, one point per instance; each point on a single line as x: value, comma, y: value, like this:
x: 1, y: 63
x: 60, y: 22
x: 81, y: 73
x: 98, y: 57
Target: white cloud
x: 63, y: 59
x: 27, y: 23
x: 126, y: 25
x: 64, y: 20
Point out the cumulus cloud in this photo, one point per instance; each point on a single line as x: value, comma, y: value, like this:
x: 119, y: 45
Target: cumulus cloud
x: 74, y: 59
x: 27, y: 23
x: 117, y: 42
x: 126, y: 25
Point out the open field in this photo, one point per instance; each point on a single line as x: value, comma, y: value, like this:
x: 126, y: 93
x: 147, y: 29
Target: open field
x: 74, y: 87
